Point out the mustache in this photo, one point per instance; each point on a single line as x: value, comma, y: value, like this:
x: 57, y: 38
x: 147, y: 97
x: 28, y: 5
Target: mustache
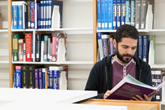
x: 128, y: 55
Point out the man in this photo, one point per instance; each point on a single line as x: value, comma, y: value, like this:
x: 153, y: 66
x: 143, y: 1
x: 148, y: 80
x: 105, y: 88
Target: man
x: 106, y: 73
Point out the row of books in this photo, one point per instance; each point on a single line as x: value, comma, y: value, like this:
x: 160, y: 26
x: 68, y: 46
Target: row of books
x: 48, y: 47
x: 54, y: 77
x: 157, y: 78
x: 145, y: 48
x: 42, y: 15
x: 113, y: 13
x: 105, y: 44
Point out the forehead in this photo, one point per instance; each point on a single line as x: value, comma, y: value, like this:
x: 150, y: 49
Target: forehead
x: 129, y: 42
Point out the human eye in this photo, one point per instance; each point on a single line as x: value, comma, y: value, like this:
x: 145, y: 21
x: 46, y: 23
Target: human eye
x: 133, y: 48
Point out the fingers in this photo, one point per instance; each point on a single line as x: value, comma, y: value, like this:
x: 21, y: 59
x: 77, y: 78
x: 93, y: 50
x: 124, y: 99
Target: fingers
x: 146, y: 97
x: 107, y: 94
x: 153, y: 94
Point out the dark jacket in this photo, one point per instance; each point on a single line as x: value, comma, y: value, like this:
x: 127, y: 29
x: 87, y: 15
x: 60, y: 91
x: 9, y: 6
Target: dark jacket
x: 97, y: 79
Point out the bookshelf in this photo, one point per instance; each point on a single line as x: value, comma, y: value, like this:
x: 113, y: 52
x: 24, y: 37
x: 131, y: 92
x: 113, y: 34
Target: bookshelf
x: 4, y: 55
x: 77, y: 23
x: 158, y: 30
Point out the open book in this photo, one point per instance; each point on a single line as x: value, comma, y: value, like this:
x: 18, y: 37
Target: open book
x: 129, y: 87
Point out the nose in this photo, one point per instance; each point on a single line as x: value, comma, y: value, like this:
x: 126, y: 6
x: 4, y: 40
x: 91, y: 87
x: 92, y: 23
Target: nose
x: 129, y: 51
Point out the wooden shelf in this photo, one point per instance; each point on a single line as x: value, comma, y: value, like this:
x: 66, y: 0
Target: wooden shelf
x: 4, y: 62
x: 3, y: 30
x: 158, y: 66
x: 57, y: 63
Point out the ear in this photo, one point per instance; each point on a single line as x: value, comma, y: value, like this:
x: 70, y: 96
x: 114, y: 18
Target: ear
x: 114, y: 43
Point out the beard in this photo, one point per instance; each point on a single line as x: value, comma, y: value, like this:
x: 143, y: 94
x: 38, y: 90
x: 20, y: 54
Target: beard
x: 121, y: 57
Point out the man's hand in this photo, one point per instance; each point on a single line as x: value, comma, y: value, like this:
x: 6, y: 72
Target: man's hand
x: 146, y: 98
x: 107, y: 94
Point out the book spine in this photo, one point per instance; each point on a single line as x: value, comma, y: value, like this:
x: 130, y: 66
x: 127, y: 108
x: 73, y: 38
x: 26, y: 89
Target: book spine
x: 56, y: 80
x: 29, y: 11
x: 24, y: 52
x: 25, y: 16
x: 38, y: 48
x: 145, y: 47
x: 127, y: 10
x: 32, y: 49
x: 100, y: 45
x: 110, y: 14
x: 106, y: 14
x: 61, y: 14
x: 15, y: 81
x: 137, y: 13
x: 143, y: 13
x: 31, y: 77
x: 45, y: 48
x: 44, y: 10
x: 40, y: 78
x: 28, y: 46
x: 111, y: 46
x: 54, y: 44
x: 18, y: 76
x: 133, y: 12
x: 122, y: 12
x: 46, y: 78
x: 36, y: 79
x: 114, y: 15
x: 103, y: 14
x: 25, y: 77
x: 15, y: 15
x: 43, y: 77
x: 118, y: 11
x: 46, y: 14
x: 32, y: 15
x: 42, y: 48
x: 140, y: 47
x: 20, y: 49
x: 20, y: 17
x: 42, y: 14
x: 99, y: 14
x: 38, y: 16
x: 15, y: 47
x: 51, y: 79
x: 49, y: 12
x: 105, y: 45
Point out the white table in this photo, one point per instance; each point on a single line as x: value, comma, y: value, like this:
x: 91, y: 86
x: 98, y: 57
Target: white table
x: 42, y: 99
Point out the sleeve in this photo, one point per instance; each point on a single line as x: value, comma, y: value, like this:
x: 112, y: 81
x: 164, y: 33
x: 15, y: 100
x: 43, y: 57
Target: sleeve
x: 93, y: 80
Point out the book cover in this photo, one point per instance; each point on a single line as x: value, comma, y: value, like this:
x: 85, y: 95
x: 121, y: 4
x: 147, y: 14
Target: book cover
x: 127, y: 12
x: 122, y: 12
x: 36, y: 78
x: 31, y: 77
x: 32, y: 15
x: 110, y: 14
x: 25, y: 77
x: 137, y: 14
x: 20, y: 49
x: 140, y: 47
x: 99, y: 14
x: 38, y: 48
x: 129, y: 87
x: 28, y: 46
x: 133, y: 12
x: 114, y: 15
x: 18, y: 77
x: 62, y: 47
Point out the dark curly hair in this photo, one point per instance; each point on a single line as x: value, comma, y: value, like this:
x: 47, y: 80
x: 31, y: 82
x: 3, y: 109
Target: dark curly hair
x: 126, y: 31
